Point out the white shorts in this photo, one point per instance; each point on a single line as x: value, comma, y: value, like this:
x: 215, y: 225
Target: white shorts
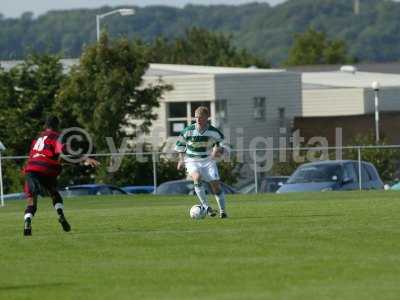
x: 207, y: 168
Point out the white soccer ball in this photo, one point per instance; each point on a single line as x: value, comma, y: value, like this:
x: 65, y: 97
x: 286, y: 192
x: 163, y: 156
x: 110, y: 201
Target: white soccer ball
x: 197, y: 212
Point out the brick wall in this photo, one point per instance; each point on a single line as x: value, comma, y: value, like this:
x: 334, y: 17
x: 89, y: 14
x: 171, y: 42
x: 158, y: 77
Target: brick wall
x: 351, y: 126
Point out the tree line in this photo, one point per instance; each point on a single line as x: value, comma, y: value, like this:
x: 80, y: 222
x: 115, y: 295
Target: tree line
x: 101, y: 95
x: 103, y: 92
x: 264, y: 31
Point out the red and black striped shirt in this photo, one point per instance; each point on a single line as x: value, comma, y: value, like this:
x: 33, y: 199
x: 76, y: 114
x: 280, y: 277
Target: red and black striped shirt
x: 44, y: 154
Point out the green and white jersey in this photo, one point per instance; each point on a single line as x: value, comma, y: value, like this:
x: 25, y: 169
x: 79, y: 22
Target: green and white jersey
x: 196, y: 144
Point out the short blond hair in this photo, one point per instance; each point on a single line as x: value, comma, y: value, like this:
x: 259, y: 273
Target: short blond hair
x: 202, y: 110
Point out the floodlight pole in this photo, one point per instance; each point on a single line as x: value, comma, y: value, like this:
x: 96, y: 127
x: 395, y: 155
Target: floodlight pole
x: 122, y: 12
x: 1, y: 176
x: 154, y: 172
x: 375, y: 87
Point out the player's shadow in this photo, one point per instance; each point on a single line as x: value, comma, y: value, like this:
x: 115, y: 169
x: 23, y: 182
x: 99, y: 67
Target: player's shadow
x: 291, y: 216
x: 33, y: 286
x: 311, y: 216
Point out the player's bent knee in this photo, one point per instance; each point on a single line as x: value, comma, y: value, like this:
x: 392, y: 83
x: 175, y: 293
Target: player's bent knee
x: 30, y: 201
x: 56, y: 197
x: 195, y: 177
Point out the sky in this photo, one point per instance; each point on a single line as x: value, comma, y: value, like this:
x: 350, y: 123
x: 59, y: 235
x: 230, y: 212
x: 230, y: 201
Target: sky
x: 14, y: 8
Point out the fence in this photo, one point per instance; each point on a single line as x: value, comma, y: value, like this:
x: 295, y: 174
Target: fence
x: 248, y: 165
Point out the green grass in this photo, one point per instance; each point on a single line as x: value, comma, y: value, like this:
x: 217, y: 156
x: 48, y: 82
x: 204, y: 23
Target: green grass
x: 343, y: 245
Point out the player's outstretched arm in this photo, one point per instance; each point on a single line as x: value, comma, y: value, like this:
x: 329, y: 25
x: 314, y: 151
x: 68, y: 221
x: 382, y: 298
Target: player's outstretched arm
x: 181, y: 162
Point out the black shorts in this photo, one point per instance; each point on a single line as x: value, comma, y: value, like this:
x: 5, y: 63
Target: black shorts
x: 38, y: 184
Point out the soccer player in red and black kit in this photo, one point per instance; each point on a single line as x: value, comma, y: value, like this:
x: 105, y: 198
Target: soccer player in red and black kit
x: 42, y: 170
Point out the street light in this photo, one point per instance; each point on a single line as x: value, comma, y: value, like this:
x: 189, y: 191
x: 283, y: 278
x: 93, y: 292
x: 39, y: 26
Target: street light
x: 375, y: 87
x: 122, y: 11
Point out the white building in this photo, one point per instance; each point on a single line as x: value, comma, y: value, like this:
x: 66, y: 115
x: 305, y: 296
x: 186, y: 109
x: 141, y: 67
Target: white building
x: 244, y: 102
x: 341, y: 100
x: 336, y: 93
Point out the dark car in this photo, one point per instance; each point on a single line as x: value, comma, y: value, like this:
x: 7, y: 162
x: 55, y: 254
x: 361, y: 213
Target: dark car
x: 267, y: 184
x: 333, y: 175
x: 91, y: 190
x: 138, y: 189
x: 186, y: 187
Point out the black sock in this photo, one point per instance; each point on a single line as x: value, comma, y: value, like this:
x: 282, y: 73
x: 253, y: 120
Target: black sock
x: 31, y: 209
x: 60, y: 212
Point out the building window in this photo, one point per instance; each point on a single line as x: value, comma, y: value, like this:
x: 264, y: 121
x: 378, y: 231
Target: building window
x: 175, y: 127
x: 259, y: 108
x: 281, y: 116
x: 181, y: 114
x: 177, y: 110
x: 221, y: 110
x: 177, y: 117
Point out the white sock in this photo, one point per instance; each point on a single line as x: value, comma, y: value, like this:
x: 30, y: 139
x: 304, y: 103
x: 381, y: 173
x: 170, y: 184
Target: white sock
x: 59, y: 206
x: 28, y: 216
x: 201, y: 194
x: 220, y: 200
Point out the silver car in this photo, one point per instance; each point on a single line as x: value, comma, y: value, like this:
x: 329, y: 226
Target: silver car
x: 333, y: 175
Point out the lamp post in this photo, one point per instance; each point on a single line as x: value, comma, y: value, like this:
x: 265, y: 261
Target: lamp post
x: 121, y: 11
x: 2, y: 148
x: 375, y: 87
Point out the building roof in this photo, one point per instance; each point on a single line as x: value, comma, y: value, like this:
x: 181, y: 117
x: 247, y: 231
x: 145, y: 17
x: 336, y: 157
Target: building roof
x: 388, y: 67
x: 165, y: 69
x: 338, y: 79
x: 66, y: 62
x: 170, y: 69
x: 157, y: 71
x: 8, y: 64
x: 311, y: 80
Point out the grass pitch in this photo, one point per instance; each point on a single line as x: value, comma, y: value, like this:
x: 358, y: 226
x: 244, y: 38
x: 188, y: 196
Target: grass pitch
x: 337, y: 245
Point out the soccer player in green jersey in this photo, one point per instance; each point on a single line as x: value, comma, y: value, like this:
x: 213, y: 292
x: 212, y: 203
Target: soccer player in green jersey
x: 198, y: 146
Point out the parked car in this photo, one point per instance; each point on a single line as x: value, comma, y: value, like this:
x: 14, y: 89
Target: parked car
x: 267, y: 184
x: 395, y: 187
x: 91, y: 190
x: 14, y: 196
x: 336, y: 175
x: 138, y: 189
x: 186, y: 187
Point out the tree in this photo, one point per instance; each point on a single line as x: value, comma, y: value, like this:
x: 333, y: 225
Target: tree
x: 263, y: 30
x: 104, y: 95
x: 229, y: 170
x: 201, y: 47
x: 312, y: 47
x: 386, y: 160
x: 27, y: 95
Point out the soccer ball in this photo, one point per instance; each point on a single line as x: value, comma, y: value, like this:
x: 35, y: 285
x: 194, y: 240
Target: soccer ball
x: 197, y: 212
